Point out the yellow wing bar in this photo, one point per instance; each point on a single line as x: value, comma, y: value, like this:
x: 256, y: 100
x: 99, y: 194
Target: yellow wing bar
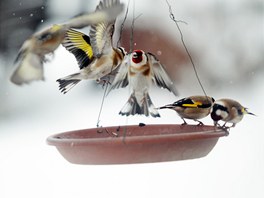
x: 80, y: 41
x: 194, y: 105
x: 80, y: 46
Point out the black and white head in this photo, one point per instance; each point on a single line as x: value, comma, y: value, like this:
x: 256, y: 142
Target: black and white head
x: 219, y: 111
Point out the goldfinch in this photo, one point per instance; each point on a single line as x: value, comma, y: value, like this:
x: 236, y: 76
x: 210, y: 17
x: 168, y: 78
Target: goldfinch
x: 95, y: 53
x: 31, y: 56
x: 193, y: 107
x: 139, y: 70
x: 229, y: 111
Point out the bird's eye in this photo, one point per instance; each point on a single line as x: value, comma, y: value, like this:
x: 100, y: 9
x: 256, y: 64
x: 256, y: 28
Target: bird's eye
x: 240, y: 112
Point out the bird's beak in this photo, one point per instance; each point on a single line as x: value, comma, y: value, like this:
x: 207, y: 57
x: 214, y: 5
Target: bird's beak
x: 251, y: 113
x: 247, y: 112
x: 165, y: 107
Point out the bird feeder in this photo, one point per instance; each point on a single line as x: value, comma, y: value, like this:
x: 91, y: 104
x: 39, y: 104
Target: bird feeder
x: 136, y: 143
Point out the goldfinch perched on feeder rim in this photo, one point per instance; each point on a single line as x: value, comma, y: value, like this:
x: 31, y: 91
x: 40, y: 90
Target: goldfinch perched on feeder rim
x: 139, y: 70
x: 95, y: 54
x: 193, y: 107
x: 31, y: 56
x: 229, y: 111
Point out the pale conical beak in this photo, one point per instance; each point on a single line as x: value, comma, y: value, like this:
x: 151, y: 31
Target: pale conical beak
x: 251, y: 113
x: 247, y: 112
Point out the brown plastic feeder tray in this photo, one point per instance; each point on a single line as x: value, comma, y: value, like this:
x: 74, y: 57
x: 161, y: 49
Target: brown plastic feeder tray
x: 136, y: 144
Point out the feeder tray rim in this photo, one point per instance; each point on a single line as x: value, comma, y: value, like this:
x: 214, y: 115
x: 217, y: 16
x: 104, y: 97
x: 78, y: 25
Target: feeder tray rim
x: 61, y: 139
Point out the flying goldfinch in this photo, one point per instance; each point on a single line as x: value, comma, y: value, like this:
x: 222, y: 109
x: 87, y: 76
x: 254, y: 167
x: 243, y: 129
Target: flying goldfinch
x: 95, y: 53
x: 193, y: 107
x: 229, y: 111
x: 31, y: 56
x: 139, y: 70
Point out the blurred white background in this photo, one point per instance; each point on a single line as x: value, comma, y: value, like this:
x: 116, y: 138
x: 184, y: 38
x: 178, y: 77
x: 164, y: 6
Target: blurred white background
x: 226, y: 40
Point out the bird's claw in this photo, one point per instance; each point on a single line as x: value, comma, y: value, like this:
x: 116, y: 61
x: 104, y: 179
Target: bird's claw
x: 184, y: 124
x: 200, y: 123
x: 226, y: 130
x: 103, y: 82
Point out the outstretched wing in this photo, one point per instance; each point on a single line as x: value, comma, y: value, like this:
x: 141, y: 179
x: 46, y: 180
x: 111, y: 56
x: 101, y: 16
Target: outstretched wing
x: 101, y: 33
x: 104, y: 14
x: 30, y: 68
x: 80, y: 46
x: 121, y: 78
x: 160, y: 76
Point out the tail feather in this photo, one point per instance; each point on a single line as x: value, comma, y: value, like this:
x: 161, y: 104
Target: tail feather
x: 132, y: 107
x: 68, y: 82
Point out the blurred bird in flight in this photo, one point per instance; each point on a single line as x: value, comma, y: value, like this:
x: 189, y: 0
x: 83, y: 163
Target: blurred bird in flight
x: 31, y: 56
x: 95, y: 54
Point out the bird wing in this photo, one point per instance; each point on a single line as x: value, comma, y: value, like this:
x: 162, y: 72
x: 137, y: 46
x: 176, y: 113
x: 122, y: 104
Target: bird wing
x: 160, y: 76
x: 32, y: 54
x: 121, y: 78
x: 191, y: 102
x: 79, y: 45
x: 25, y: 49
x: 30, y: 67
x: 101, y: 33
x: 187, y: 102
x: 106, y: 13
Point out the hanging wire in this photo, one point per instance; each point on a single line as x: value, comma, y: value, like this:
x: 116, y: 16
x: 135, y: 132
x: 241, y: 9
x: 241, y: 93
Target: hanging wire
x: 107, y: 84
x: 123, y: 25
x: 101, y: 107
x: 131, y: 48
x: 132, y: 28
x: 132, y: 32
x: 185, y: 47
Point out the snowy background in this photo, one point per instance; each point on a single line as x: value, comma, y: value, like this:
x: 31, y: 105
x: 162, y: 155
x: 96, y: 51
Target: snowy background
x: 226, y: 40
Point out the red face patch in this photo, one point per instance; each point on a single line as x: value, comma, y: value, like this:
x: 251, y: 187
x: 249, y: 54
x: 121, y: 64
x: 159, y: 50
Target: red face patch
x: 137, y: 56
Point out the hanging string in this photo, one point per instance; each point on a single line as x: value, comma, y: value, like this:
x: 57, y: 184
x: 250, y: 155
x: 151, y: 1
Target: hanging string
x: 112, y: 133
x: 132, y: 32
x: 130, y: 51
x: 185, y: 47
x: 132, y: 28
x: 131, y: 48
x: 106, y: 87
x: 123, y: 25
x: 107, y: 84
x: 101, y: 107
